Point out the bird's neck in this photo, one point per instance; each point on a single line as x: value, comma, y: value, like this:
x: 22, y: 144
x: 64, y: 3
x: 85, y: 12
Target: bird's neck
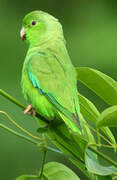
x: 44, y: 40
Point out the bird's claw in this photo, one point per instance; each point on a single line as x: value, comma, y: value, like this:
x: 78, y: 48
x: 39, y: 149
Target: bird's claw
x: 29, y: 110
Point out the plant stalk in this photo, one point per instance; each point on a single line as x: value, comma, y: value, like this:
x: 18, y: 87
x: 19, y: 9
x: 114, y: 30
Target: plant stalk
x: 6, y: 95
x: 28, y: 139
x: 15, y: 101
x: 42, y: 165
x: 103, y: 156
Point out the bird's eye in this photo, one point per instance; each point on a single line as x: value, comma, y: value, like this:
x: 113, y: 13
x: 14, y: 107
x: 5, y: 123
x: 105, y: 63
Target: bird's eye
x: 33, y: 23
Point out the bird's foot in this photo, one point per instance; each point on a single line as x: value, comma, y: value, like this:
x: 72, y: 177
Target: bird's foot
x: 29, y: 110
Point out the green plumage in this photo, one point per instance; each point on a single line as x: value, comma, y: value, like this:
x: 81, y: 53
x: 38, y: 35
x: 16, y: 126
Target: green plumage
x: 48, y: 76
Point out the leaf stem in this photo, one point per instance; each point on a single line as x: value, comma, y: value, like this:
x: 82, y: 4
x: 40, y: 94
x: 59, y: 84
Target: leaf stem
x: 18, y: 134
x: 12, y: 99
x: 103, y: 156
x: 43, y: 162
x: 6, y: 95
x: 28, y: 139
x: 18, y: 103
x: 100, y: 135
x: 53, y: 150
x: 18, y: 126
x: 100, y: 145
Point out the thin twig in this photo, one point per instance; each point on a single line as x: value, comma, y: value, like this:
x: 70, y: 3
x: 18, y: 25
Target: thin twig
x: 42, y: 165
x: 18, y: 126
x: 18, y: 103
x: 28, y: 139
x: 103, y: 156
x: 18, y: 134
x: 3, y: 93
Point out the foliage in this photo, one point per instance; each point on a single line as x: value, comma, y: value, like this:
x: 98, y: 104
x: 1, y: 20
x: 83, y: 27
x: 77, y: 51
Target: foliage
x: 84, y: 150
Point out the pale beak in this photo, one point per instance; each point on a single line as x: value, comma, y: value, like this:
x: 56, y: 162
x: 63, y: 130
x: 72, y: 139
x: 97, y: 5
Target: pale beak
x: 23, y: 33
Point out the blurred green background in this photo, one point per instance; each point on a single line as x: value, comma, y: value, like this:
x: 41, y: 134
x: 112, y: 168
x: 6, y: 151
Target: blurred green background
x: 90, y: 29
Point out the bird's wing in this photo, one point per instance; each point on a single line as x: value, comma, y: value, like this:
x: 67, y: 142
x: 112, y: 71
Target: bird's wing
x: 48, y: 74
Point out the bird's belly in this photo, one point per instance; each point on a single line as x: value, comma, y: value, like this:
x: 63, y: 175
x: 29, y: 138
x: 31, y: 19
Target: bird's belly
x: 38, y: 101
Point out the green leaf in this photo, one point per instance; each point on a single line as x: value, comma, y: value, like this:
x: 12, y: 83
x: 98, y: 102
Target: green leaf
x: 53, y: 150
x: 109, y: 134
x: 114, y: 177
x: 58, y: 171
x: 103, y: 85
x: 62, y: 138
x: 27, y: 177
x: 104, y: 178
x: 81, y: 166
x: 89, y: 110
x: 89, y: 136
x: 108, y: 117
x: 23, y: 177
x: 95, y: 167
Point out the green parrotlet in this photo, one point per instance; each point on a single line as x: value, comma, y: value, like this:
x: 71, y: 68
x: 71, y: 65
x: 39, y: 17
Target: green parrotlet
x: 49, y: 81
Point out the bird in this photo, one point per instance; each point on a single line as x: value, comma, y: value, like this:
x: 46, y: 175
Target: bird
x: 49, y: 79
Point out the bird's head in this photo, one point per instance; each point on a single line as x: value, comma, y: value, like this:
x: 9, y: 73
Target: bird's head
x: 39, y: 26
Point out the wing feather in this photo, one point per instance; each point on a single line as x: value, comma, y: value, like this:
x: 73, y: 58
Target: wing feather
x: 52, y: 79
